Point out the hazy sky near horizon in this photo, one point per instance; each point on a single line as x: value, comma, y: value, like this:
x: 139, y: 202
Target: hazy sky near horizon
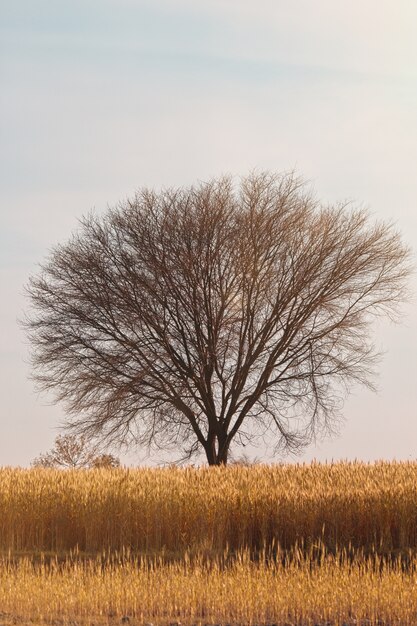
x: 100, y: 98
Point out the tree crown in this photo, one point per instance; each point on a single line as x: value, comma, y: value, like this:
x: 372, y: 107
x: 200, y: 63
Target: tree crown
x: 74, y: 452
x: 191, y: 317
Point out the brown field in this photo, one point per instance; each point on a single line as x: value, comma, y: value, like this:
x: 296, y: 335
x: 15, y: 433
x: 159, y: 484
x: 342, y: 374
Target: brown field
x: 301, y: 591
x: 287, y: 544
x: 209, y: 509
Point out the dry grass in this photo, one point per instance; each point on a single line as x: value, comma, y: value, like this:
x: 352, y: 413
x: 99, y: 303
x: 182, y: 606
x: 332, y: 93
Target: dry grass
x: 209, y: 509
x: 210, y: 546
x: 303, y: 591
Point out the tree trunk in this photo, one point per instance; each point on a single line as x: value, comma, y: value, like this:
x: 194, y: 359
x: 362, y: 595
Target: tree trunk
x: 223, y: 449
x: 210, y: 449
x: 219, y: 456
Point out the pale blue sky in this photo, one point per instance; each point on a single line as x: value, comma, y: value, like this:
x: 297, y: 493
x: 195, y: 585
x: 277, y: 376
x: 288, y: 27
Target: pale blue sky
x: 99, y: 98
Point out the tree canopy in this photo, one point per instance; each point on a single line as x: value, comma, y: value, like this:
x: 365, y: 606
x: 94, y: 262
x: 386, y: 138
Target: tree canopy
x: 195, y: 317
x: 73, y: 452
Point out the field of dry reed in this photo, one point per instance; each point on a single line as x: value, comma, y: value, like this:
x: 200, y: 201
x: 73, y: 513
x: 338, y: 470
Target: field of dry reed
x: 286, y: 544
x: 299, y: 592
x: 371, y: 506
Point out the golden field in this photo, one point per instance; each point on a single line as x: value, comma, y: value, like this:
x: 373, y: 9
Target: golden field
x: 301, y: 591
x: 285, y: 544
x: 209, y: 509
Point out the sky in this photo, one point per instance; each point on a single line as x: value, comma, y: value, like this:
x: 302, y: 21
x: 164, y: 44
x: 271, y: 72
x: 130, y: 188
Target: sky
x: 99, y: 98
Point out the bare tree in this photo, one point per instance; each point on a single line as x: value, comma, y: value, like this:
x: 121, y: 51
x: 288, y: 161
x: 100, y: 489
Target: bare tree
x: 105, y: 461
x: 192, y: 318
x: 72, y: 451
x: 68, y: 451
